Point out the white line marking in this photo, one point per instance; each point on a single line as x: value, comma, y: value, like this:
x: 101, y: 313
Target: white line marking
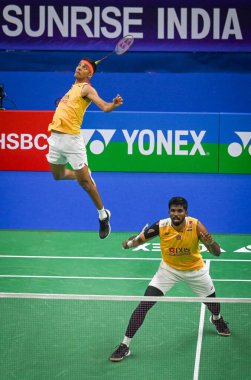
x: 74, y: 277
x: 121, y: 298
x: 99, y: 278
x: 230, y: 280
x: 101, y: 258
x: 200, y: 335
x: 78, y: 257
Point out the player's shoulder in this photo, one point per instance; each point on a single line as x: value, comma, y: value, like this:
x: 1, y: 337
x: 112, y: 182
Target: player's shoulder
x: 192, y: 219
x: 165, y: 222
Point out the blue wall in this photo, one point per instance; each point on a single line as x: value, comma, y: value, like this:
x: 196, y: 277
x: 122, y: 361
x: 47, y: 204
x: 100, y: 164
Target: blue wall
x: 34, y: 201
x: 31, y: 200
x: 169, y: 92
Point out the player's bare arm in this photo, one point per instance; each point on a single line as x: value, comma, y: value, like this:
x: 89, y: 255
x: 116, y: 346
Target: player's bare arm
x: 206, y: 238
x: 145, y: 235
x: 90, y: 93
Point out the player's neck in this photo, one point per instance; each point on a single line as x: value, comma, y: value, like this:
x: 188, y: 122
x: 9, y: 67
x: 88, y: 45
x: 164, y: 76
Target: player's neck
x: 80, y: 81
x: 180, y: 227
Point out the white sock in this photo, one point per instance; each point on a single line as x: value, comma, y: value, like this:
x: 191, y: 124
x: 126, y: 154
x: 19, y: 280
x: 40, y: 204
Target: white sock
x: 102, y: 214
x: 127, y: 341
x: 216, y: 317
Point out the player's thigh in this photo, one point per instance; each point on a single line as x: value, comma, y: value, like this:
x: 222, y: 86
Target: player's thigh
x: 75, y: 152
x: 201, y: 282
x: 58, y: 171
x: 165, y: 278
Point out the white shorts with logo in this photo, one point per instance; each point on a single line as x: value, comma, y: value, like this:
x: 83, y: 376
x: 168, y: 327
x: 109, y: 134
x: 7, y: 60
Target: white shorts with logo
x: 198, y: 280
x: 65, y: 148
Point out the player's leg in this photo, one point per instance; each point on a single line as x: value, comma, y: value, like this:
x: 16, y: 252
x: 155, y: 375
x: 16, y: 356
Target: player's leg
x: 60, y: 172
x: 216, y: 318
x: 163, y: 280
x: 85, y: 180
x: 201, y: 283
x: 136, y: 320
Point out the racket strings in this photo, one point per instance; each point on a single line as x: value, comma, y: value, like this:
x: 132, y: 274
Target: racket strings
x: 124, y: 44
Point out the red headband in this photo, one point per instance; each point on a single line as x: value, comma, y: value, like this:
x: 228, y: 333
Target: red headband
x: 88, y: 64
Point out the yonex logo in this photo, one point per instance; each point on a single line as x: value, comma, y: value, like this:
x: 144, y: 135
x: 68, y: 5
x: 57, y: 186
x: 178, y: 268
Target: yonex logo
x: 146, y: 142
x: 235, y: 149
x: 97, y: 146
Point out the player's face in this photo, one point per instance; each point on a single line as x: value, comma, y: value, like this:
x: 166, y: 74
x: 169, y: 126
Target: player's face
x: 82, y: 71
x: 177, y: 214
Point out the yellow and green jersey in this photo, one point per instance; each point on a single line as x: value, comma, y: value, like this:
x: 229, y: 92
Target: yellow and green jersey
x: 69, y: 114
x: 181, y: 249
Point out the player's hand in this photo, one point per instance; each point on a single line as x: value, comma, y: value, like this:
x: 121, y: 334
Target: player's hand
x: 118, y: 101
x: 125, y: 245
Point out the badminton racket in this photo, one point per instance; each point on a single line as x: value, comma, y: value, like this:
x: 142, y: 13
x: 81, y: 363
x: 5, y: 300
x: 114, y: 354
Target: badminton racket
x: 121, y: 47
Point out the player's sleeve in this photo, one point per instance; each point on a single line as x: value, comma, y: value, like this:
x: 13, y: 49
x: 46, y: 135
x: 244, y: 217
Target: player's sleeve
x: 152, y: 231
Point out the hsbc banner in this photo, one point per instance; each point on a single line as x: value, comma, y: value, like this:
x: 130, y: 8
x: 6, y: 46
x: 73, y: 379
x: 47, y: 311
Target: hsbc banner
x: 157, y: 25
x: 135, y: 141
x: 23, y: 140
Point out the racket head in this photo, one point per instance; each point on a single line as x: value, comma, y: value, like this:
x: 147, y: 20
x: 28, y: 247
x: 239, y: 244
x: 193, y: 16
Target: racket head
x: 121, y: 47
x: 124, y: 44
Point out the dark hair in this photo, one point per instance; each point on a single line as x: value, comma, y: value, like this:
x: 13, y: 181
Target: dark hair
x: 178, y: 201
x: 94, y: 66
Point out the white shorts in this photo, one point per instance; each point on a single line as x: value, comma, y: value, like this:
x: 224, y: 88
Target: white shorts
x: 198, y: 280
x: 65, y: 148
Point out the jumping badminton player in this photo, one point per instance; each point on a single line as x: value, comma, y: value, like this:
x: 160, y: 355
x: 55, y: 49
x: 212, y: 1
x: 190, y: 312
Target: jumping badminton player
x: 181, y: 261
x: 66, y: 144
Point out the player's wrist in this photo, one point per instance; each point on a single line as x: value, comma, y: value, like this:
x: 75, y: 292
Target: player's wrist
x: 211, y: 243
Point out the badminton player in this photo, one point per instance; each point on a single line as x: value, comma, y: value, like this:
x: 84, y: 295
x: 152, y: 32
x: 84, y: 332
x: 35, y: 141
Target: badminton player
x: 181, y: 261
x: 66, y: 145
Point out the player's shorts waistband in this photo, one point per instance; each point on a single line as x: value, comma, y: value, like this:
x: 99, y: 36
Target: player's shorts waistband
x: 61, y: 133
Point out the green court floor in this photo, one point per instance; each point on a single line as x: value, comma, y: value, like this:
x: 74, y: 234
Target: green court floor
x: 44, y: 339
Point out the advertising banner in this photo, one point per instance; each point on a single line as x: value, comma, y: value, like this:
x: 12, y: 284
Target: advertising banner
x: 121, y: 141
x: 235, y: 147
x: 23, y: 140
x: 152, y: 142
x: 96, y: 25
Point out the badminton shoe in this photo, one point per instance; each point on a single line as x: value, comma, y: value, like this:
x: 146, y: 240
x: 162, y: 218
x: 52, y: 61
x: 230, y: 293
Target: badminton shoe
x: 104, y: 226
x: 120, y: 353
x: 221, y: 326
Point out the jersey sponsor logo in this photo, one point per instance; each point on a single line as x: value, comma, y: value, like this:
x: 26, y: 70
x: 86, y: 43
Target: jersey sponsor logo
x: 235, y: 149
x: 179, y: 251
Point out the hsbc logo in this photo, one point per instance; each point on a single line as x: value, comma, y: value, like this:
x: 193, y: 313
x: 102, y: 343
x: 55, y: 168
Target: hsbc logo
x: 147, y: 142
x: 23, y: 141
x: 235, y: 149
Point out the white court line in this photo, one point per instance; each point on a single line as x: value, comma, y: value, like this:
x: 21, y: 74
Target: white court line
x: 74, y: 277
x: 78, y: 257
x: 200, y: 335
x: 100, y: 278
x: 101, y: 258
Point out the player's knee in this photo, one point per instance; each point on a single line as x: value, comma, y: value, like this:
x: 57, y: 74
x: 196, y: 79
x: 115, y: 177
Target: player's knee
x: 153, y: 292
x: 57, y: 176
